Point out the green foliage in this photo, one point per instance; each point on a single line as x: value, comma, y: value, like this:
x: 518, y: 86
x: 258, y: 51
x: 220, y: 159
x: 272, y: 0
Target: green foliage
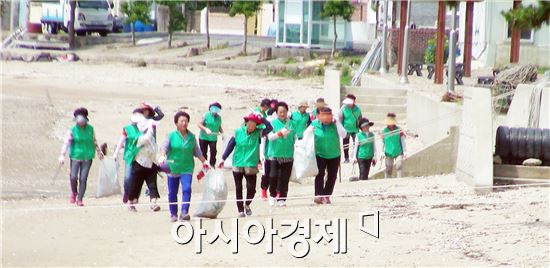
x: 177, y: 19
x: 290, y: 61
x: 429, y: 53
x: 345, y: 75
x: 337, y: 8
x: 530, y: 17
x: 246, y: 8
x: 137, y: 10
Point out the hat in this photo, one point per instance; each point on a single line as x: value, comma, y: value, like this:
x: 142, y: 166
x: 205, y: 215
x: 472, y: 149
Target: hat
x: 303, y: 104
x: 365, y: 121
x: 253, y: 117
x: 348, y: 101
x: 320, y: 101
x: 390, y: 119
x: 148, y: 106
x: 82, y: 112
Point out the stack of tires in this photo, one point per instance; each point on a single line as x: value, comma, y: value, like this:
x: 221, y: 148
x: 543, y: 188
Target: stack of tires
x: 514, y: 145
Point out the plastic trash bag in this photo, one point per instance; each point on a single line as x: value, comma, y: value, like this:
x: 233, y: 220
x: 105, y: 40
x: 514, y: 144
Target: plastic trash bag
x: 108, y: 178
x: 228, y: 163
x: 215, y: 189
x: 305, y: 162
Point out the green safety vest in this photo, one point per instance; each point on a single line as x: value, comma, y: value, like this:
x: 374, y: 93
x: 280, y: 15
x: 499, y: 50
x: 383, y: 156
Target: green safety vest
x: 327, y: 141
x: 301, y: 120
x: 247, y: 149
x: 392, y: 142
x: 366, y: 145
x: 82, y: 145
x: 213, y: 123
x: 351, y: 115
x: 130, y: 145
x: 181, y: 153
x: 282, y: 147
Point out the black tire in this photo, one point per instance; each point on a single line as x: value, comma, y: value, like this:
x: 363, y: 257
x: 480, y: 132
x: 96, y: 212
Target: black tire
x: 103, y: 33
x: 514, y: 142
x: 537, y: 143
x: 530, y: 144
x: 522, y: 144
x: 81, y: 33
x: 546, y: 144
x: 502, y: 147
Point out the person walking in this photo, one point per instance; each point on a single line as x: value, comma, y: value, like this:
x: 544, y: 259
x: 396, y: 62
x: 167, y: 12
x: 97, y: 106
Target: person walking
x: 82, y: 145
x: 349, y: 115
x: 364, y: 151
x: 394, y: 146
x: 301, y: 118
x: 210, y: 127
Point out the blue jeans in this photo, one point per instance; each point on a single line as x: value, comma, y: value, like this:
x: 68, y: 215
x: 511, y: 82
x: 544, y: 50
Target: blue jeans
x: 79, y: 176
x: 173, y: 188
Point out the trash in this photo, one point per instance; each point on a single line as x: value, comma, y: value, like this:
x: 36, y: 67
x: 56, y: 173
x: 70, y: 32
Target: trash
x: 108, y: 178
x: 532, y: 162
x: 305, y: 162
x: 215, y: 189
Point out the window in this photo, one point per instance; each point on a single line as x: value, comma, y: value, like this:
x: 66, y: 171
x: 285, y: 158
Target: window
x: 525, y: 35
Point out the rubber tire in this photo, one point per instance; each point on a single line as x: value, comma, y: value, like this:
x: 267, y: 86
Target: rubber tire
x: 523, y: 142
x: 502, y: 147
x: 514, y: 142
x: 546, y: 144
x: 537, y: 143
x: 530, y: 144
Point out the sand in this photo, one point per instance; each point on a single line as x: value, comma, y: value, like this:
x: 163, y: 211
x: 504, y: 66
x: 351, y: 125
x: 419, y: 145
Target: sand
x: 423, y: 221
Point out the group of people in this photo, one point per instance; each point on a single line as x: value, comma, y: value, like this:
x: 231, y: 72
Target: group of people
x: 265, y: 141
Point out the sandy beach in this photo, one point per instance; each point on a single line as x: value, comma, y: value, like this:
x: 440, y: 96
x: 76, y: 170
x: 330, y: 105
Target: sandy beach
x: 423, y: 221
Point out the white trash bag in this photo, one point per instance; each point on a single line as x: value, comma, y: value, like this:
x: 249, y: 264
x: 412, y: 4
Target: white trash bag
x: 108, y: 178
x: 228, y: 163
x: 305, y: 162
x: 215, y: 189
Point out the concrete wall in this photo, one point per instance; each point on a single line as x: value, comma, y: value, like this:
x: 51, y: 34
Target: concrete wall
x: 436, y: 158
x: 332, y: 89
x: 430, y: 118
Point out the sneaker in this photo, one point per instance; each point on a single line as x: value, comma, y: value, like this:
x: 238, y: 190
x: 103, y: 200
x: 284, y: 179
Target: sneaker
x: 72, y: 198
x: 79, y: 203
x: 125, y: 198
x: 248, y: 211
x: 326, y: 200
x: 173, y: 218
x: 281, y: 203
x: 155, y: 208
x: 264, y: 194
x: 271, y: 201
x: 241, y: 215
x: 318, y: 200
x: 185, y: 217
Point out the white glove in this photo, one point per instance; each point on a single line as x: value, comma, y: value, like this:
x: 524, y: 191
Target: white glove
x: 208, y: 131
x: 162, y: 159
x: 285, y: 131
x: 61, y: 159
x: 353, y: 160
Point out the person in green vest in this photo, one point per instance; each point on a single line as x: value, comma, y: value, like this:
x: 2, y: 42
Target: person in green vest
x: 264, y: 107
x: 349, y: 115
x: 301, y: 118
x: 393, y: 140
x: 130, y: 134
x: 327, y: 132
x: 246, y: 158
x: 364, y: 151
x: 210, y: 127
x: 178, y: 152
x: 280, y: 154
x: 82, y: 146
x: 265, y: 111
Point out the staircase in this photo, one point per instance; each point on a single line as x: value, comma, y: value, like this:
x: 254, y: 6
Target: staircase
x: 376, y: 103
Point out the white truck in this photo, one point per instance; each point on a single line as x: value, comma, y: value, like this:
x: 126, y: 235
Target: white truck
x: 90, y: 16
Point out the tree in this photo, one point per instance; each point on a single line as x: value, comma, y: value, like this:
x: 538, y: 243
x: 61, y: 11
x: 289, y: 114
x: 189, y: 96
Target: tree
x: 334, y: 9
x: 72, y: 4
x: 176, y: 19
x: 529, y: 17
x: 136, y: 11
x: 247, y: 9
x: 207, y: 4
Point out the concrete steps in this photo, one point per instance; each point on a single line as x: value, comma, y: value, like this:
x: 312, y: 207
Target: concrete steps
x: 376, y: 103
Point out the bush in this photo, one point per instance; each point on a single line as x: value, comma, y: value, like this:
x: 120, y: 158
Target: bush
x: 429, y: 53
x: 345, y: 75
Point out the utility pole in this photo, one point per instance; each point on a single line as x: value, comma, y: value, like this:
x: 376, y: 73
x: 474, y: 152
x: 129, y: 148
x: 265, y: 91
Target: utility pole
x: 383, y: 69
x: 404, y: 78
